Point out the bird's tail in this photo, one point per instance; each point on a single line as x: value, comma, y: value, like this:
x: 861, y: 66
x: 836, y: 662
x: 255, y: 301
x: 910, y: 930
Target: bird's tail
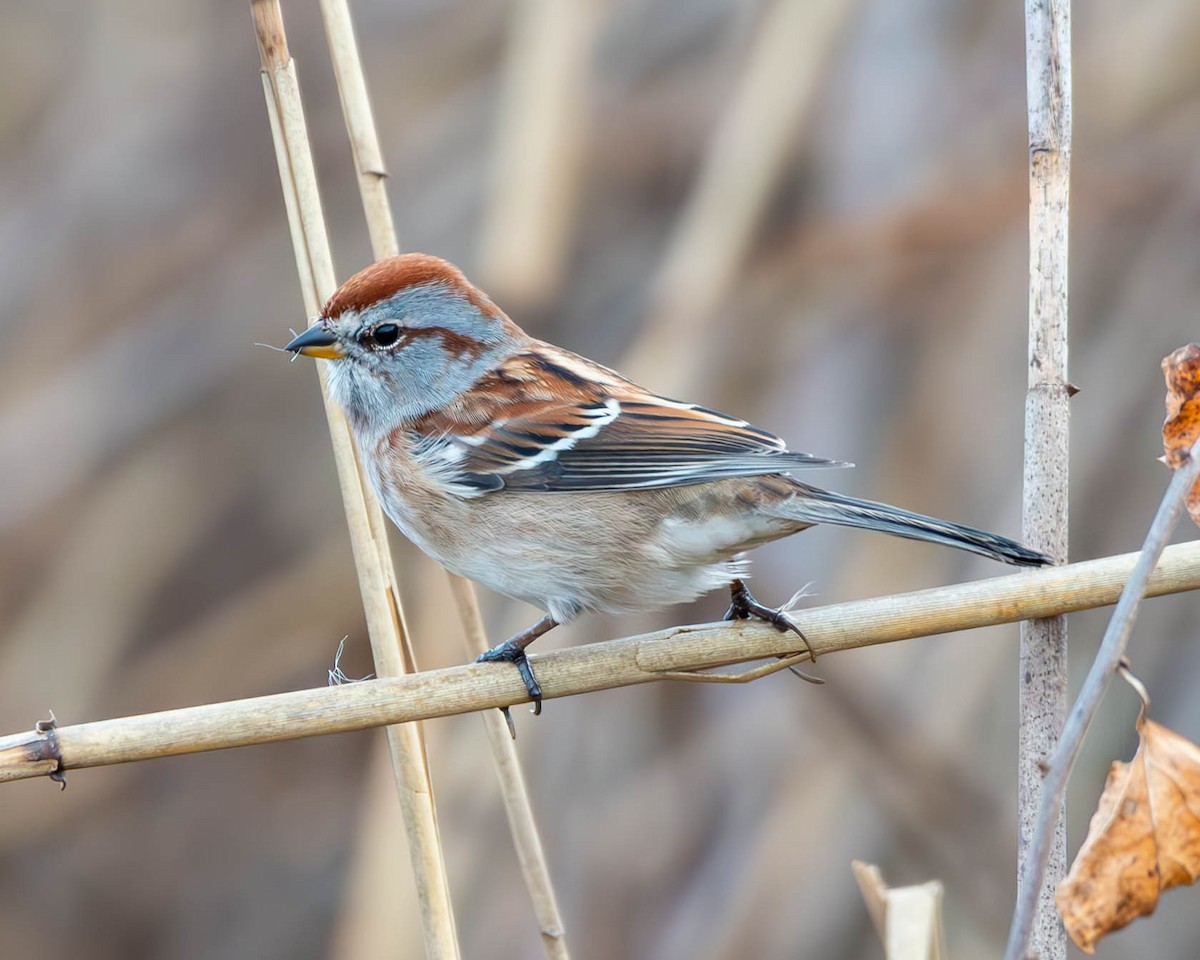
x: 813, y: 505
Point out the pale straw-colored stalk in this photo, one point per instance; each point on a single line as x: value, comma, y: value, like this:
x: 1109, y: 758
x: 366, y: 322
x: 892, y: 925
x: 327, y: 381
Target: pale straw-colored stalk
x: 368, y: 534
x: 675, y: 653
x: 372, y: 176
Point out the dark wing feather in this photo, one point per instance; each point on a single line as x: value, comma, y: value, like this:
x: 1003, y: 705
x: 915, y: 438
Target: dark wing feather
x: 654, y: 443
x: 599, y: 434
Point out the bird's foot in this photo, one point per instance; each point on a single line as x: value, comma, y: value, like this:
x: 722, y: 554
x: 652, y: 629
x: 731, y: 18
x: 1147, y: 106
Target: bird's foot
x: 510, y: 651
x: 743, y: 606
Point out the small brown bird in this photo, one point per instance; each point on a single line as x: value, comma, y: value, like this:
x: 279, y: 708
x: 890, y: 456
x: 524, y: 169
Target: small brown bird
x: 552, y: 479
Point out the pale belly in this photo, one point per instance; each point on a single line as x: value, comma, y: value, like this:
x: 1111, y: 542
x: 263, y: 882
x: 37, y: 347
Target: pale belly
x: 572, y: 552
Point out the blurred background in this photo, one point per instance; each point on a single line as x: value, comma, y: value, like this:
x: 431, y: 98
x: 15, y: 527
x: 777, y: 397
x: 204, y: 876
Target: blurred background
x: 811, y: 214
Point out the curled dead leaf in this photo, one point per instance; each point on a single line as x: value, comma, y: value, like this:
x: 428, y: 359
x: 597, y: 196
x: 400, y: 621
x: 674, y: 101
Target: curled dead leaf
x: 1182, y: 427
x: 1144, y: 838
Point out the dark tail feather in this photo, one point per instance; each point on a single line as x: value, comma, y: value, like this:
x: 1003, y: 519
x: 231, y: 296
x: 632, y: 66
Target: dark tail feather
x: 814, y: 505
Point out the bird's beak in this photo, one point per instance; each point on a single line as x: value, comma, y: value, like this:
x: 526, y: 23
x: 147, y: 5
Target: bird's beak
x: 316, y: 341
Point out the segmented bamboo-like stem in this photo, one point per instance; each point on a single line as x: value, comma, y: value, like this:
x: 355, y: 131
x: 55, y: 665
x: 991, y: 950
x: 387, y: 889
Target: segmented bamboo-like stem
x: 1043, y: 662
x: 372, y: 175
x: 368, y: 534
x: 677, y: 652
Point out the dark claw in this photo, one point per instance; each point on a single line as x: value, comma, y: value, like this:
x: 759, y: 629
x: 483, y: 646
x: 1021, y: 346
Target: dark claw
x: 508, y: 720
x: 510, y: 652
x: 743, y: 606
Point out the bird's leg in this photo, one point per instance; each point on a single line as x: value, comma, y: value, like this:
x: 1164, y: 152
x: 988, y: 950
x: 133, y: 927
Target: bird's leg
x: 512, y: 651
x: 743, y: 606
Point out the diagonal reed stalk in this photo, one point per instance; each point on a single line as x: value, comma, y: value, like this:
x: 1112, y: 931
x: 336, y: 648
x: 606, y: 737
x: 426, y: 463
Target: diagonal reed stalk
x: 675, y: 653
x: 1027, y: 918
x: 372, y: 176
x: 368, y: 535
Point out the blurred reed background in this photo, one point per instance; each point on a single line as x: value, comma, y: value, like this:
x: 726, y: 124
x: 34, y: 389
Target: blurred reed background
x: 809, y: 214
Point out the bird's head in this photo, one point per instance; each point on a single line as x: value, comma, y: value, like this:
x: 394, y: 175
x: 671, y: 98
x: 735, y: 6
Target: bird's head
x: 406, y: 336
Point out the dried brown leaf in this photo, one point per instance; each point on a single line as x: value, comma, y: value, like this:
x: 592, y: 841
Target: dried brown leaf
x: 1182, y: 426
x: 1144, y: 838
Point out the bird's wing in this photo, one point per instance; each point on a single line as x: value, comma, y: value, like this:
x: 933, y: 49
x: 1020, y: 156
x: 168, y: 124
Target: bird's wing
x: 553, y: 421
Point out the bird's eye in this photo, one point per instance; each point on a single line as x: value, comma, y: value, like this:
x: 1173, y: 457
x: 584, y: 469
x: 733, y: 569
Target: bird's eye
x: 384, y: 335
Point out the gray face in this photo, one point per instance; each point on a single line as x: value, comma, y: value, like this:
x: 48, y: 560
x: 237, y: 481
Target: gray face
x: 412, y: 353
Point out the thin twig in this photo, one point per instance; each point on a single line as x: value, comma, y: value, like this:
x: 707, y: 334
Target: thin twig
x: 517, y: 807
x: 596, y: 666
x: 360, y: 125
x: 1108, y: 660
x: 1043, y: 660
x: 372, y: 175
x: 368, y: 534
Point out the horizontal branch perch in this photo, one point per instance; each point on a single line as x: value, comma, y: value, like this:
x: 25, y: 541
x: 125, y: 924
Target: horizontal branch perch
x: 596, y: 666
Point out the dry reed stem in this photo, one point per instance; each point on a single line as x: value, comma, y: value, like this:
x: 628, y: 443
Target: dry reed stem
x: 1043, y: 661
x: 907, y: 919
x: 741, y: 167
x: 360, y: 126
x: 368, y: 534
x: 597, y: 666
x: 372, y: 176
x: 517, y: 807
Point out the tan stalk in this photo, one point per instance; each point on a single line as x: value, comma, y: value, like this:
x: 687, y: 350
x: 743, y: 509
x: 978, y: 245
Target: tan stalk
x: 368, y: 536
x: 372, y: 176
x: 907, y: 919
x: 1043, y: 662
x: 677, y: 652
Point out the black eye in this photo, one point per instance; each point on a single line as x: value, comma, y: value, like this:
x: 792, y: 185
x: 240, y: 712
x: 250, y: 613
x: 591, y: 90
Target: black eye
x: 384, y: 335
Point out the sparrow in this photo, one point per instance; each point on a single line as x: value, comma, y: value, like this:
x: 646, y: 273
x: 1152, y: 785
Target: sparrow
x: 549, y: 478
